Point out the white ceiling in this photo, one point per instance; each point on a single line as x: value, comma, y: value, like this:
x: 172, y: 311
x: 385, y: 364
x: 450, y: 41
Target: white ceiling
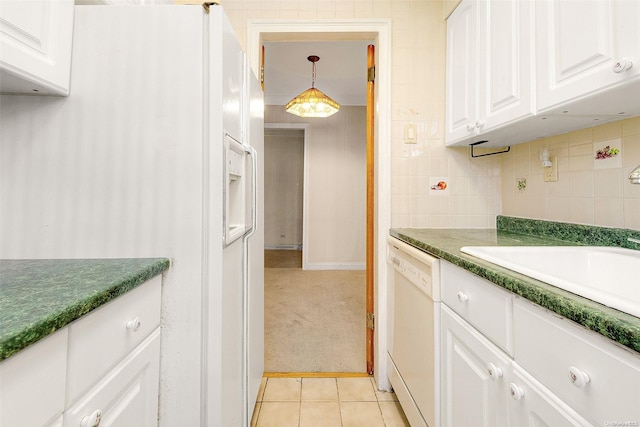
x: 341, y: 72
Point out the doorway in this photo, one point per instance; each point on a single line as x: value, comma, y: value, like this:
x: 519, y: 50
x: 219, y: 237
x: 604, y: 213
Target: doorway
x: 315, y: 315
x: 284, y: 184
x: 379, y: 31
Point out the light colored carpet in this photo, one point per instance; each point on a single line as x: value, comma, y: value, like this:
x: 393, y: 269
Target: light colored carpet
x: 314, y: 321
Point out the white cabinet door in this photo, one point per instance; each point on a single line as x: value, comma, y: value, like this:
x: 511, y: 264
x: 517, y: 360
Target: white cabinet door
x: 475, y: 377
x: 461, y: 111
x: 128, y: 395
x: 578, y: 43
x: 505, y: 62
x: 32, y: 383
x: 35, y: 46
x: 532, y: 404
x: 489, y: 73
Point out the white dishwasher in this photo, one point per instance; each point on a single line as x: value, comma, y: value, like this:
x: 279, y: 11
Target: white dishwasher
x: 413, y: 335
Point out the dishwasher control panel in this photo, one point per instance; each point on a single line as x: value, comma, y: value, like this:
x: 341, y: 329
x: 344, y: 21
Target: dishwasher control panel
x: 417, y: 266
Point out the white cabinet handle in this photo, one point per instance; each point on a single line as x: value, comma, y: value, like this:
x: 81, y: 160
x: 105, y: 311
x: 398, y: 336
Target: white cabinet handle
x: 479, y: 124
x: 516, y: 391
x: 622, y: 64
x: 494, y: 371
x: 462, y: 297
x: 92, y: 420
x: 579, y: 378
x: 134, y: 324
x: 470, y: 127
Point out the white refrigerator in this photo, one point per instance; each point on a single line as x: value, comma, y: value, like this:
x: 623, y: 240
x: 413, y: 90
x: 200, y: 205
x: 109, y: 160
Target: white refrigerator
x: 156, y: 152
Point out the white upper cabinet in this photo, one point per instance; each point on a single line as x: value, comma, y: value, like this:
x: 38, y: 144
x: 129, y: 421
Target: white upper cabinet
x: 461, y: 79
x: 582, y: 57
x: 489, y: 66
x: 35, y: 46
x: 505, y: 74
x: 521, y: 70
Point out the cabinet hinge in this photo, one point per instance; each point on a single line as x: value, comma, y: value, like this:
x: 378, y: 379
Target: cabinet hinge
x: 371, y: 74
x: 371, y: 321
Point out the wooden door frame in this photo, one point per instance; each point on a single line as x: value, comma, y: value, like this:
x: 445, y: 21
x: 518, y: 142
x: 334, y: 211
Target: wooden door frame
x: 370, y: 210
x: 378, y: 30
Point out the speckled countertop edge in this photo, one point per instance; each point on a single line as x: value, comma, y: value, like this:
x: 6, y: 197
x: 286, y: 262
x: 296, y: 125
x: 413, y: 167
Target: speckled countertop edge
x: 446, y: 243
x: 38, y: 297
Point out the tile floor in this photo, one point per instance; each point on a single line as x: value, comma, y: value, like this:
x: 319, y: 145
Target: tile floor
x: 330, y: 402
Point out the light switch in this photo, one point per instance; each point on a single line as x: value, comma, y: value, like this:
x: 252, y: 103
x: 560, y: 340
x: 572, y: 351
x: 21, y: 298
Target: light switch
x: 410, y: 133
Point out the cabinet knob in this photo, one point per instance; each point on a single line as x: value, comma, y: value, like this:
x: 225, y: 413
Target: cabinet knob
x: 517, y: 392
x: 92, y: 420
x: 462, y: 297
x: 479, y: 124
x: 134, y: 324
x: 470, y: 127
x: 578, y: 377
x: 622, y: 65
x: 494, y: 371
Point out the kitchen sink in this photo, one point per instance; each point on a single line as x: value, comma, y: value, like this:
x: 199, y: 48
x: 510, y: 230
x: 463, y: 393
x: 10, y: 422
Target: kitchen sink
x: 608, y: 275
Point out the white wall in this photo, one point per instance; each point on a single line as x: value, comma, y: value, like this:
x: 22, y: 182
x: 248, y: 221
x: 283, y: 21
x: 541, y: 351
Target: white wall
x: 336, y: 187
x: 283, y: 185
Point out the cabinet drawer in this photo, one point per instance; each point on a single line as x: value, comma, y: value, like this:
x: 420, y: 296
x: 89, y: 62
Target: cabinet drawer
x: 32, y: 383
x: 554, y: 349
x: 473, y: 297
x: 101, y: 339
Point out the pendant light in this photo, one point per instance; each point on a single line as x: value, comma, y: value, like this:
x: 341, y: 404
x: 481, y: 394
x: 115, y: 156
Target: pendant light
x: 312, y: 102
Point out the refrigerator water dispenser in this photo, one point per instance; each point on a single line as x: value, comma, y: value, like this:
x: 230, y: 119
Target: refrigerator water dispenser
x: 236, y: 197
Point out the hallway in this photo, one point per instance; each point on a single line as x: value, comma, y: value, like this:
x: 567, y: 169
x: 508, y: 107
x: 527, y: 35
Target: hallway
x: 314, y: 320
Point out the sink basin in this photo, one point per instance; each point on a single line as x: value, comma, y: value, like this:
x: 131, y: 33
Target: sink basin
x: 608, y: 275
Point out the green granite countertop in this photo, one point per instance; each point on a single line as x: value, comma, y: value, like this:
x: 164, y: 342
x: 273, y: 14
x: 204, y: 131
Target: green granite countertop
x: 446, y: 243
x: 38, y: 297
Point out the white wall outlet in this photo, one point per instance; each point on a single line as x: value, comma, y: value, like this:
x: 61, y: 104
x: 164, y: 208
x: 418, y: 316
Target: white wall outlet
x: 550, y: 173
x: 410, y: 133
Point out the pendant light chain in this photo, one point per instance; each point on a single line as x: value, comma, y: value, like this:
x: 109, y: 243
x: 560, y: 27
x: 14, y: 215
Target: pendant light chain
x: 313, y: 74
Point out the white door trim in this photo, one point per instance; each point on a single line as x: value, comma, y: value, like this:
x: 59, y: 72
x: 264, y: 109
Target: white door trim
x: 305, y: 178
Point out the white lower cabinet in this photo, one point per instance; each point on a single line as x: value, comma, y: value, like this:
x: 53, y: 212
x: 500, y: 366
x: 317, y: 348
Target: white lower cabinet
x: 559, y: 373
x: 102, y: 369
x: 483, y: 386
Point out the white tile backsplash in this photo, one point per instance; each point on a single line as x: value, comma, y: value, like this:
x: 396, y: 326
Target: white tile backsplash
x: 584, y: 193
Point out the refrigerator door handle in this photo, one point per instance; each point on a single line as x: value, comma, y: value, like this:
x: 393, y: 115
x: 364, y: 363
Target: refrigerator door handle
x: 254, y: 191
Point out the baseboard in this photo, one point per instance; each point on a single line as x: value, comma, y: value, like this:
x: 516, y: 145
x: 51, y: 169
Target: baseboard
x: 335, y: 266
x: 283, y: 247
